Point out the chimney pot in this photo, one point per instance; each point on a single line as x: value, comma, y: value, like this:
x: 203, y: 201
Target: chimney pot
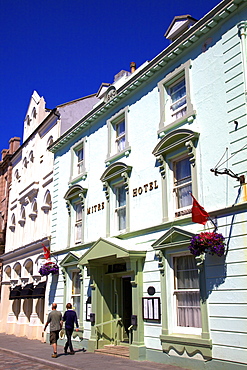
x: 132, y: 67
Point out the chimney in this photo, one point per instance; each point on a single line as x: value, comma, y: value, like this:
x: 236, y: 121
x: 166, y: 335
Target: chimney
x: 132, y: 67
x: 4, y: 152
x: 14, y: 144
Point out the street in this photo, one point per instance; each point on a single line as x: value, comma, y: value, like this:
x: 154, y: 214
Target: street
x: 24, y: 354
x: 10, y: 361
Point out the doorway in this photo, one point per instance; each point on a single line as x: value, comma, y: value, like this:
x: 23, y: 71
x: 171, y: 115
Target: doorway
x: 126, y: 307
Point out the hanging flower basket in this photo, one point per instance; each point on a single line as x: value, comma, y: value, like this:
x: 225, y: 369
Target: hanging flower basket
x: 207, y: 242
x: 49, y: 268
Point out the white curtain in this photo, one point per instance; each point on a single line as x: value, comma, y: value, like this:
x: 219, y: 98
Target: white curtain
x: 188, y: 300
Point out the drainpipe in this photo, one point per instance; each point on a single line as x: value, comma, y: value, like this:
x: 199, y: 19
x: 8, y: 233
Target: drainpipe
x: 242, y: 29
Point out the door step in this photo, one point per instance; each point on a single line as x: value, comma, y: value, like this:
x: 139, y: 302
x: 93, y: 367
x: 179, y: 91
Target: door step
x: 120, y: 351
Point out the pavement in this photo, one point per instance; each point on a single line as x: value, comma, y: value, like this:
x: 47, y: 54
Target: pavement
x: 36, y: 353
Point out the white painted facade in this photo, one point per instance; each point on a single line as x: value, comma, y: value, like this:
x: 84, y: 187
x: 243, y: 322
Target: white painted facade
x: 102, y: 264
x: 29, y: 214
x: 210, y: 55
x: 29, y: 220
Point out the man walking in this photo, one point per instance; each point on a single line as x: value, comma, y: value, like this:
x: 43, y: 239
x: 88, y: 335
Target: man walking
x: 55, y: 320
x: 70, y: 319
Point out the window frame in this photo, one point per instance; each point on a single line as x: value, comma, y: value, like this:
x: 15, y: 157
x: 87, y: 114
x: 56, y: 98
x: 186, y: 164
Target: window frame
x: 78, y: 226
x: 177, y: 208
x: 69, y: 265
x: 179, y: 328
x: 76, y: 194
x: 118, y: 208
x: 166, y: 247
x: 174, y: 112
x: 74, y: 174
x: 180, y: 143
x: 76, y: 295
x: 115, y: 174
x: 113, y: 153
x: 164, y: 86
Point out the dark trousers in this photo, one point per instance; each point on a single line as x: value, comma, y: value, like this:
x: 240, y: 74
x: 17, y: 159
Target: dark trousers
x: 68, y: 343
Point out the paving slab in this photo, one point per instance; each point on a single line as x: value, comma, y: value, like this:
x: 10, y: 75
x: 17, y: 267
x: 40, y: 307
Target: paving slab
x: 39, y: 352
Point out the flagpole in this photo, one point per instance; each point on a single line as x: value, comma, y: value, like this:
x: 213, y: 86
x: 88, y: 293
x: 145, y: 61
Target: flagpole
x: 215, y: 226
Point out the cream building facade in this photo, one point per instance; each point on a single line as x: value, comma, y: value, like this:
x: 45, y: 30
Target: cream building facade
x: 122, y: 206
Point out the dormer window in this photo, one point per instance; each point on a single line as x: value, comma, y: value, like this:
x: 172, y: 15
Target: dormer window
x: 180, y: 24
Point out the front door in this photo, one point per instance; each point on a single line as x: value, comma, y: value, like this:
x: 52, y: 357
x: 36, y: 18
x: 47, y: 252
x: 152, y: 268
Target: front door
x: 126, y: 307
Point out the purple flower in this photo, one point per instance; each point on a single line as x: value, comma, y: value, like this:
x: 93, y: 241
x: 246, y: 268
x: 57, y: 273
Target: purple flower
x: 49, y: 268
x: 210, y: 242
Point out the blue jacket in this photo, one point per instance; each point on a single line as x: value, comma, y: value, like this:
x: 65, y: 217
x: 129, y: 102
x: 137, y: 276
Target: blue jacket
x: 70, y: 319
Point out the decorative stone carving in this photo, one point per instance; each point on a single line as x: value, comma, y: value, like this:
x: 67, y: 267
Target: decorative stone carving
x: 110, y: 94
x: 162, y: 164
x: 125, y: 177
x: 68, y: 206
x: 106, y: 190
x: 191, y: 151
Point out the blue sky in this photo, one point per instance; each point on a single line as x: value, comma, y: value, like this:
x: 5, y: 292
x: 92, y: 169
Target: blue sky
x: 65, y: 49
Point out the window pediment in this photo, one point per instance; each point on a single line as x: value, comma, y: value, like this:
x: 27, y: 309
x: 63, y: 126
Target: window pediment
x: 115, y: 170
x: 172, y: 238
x: 75, y: 191
x: 70, y: 260
x: 174, y: 140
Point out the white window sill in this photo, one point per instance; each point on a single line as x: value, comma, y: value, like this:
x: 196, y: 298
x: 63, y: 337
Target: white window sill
x: 75, y: 179
x: 187, y: 118
x: 123, y: 153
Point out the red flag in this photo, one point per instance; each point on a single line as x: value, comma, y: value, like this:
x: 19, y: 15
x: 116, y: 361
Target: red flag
x: 199, y: 215
x: 46, y: 252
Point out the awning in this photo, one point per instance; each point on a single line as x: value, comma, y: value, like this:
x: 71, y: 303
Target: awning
x: 15, y: 292
x: 26, y: 291
x: 39, y: 290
